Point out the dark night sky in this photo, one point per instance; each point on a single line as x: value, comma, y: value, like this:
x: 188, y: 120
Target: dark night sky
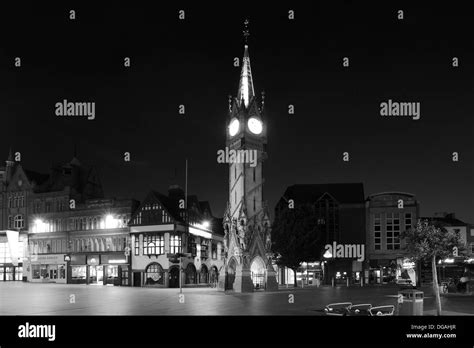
x: 297, y: 62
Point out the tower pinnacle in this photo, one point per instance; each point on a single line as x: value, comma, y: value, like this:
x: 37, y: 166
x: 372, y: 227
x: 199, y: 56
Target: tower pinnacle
x: 246, y: 90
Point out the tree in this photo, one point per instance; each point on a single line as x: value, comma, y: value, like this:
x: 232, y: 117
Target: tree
x: 427, y: 242
x: 296, y: 237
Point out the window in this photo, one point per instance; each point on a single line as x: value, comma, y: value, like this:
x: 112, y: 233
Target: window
x: 235, y: 197
x: 377, y: 232
x: 254, y: 174
x: 47, y: 207
x: 175, y: 244
x: 472, y: 248
x: 192, y: 246
x: 235, y: 172
x: 164, y: 216
x: 153, y: 244
x: 254, y: 204
x: 393, y: 231
x: 154, y: 274
x: 204, y: 249
x: 22, y: 201
x: 19, y: 222
x: 10, y: 221
x: 408, y: 221
x: 10, y: 202
x: 214, y: 251
x: 137, y: 245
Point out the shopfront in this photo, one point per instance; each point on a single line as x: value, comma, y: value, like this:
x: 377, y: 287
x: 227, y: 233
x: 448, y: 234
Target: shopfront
x: 50, y: 268
x: 100, y: 269
x: 11, y: 257
x: 386, y: 271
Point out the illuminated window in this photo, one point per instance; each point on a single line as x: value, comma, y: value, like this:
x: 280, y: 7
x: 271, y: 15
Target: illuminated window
x: 137, y: 245
x: 153, y: 244
x: 175, y: 244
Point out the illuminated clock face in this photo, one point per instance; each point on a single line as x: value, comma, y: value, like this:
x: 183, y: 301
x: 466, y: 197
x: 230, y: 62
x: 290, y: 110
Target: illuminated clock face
x: 234, y: 127
x: 255, y: 125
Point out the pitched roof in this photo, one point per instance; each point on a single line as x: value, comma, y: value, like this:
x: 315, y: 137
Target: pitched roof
x: 342, y: 193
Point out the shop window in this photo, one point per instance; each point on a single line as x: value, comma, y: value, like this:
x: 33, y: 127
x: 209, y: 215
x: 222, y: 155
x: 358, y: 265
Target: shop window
x: 36, y: 271
x: 125, y: 277
x: 78, y: 272
x: 154, y: 274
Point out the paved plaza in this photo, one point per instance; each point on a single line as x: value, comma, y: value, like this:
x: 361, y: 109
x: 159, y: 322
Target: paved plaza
x: 18, y: 298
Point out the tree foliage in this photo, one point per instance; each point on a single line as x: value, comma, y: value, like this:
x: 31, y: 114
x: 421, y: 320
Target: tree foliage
x: 426, y: 241
x: 295, y: 236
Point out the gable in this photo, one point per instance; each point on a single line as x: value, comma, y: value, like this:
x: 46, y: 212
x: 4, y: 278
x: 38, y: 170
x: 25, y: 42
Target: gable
x: 151, y: 211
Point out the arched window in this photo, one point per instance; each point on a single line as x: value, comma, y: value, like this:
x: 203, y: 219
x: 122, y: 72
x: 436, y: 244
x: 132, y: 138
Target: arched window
x: 154, y: 274
x: 19, y: 222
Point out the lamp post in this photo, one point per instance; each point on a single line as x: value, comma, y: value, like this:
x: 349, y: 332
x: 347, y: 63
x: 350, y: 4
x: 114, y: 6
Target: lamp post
x: 328, y: 255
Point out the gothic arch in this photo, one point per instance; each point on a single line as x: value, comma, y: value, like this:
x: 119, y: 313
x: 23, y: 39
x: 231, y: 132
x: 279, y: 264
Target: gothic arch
x: 258, y: 272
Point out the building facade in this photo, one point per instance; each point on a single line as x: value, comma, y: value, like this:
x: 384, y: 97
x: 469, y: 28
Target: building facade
x: 162, y: 228
x: 388, y: 215
x: 75, y: 235
x: 16, y: 189
x: 340, y: 214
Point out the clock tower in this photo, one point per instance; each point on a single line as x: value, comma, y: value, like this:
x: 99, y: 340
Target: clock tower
x: 247, y: 240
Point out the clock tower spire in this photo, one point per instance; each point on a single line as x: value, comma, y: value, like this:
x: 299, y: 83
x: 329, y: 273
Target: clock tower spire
x: 247, y: 240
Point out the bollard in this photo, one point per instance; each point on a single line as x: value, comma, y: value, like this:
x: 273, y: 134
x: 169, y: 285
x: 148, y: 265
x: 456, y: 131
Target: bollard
x: 347, y: 281
x: 332, y: 281
x: 361, y: 282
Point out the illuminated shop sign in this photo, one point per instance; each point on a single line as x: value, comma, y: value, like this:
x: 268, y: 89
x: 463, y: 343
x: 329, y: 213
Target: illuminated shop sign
x: 345, y: 251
